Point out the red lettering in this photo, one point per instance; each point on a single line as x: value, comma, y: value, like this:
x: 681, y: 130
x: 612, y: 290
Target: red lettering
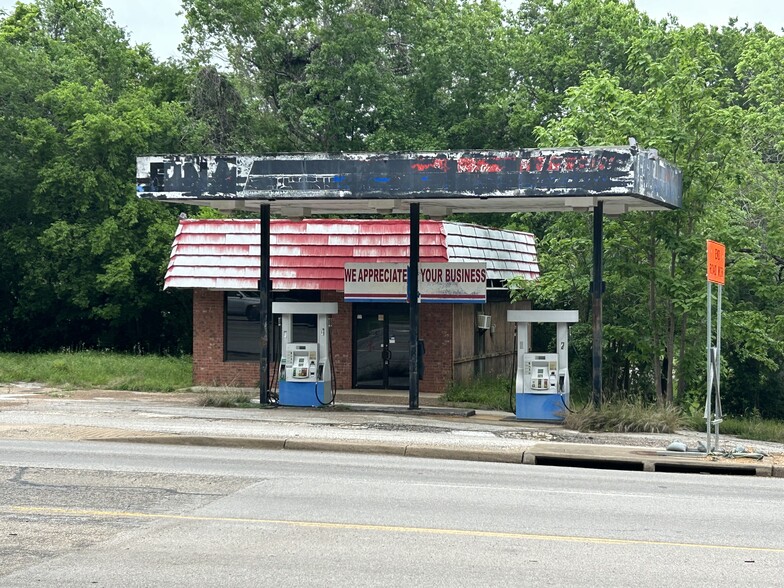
x: 439, y: 163
x: 472, y: 165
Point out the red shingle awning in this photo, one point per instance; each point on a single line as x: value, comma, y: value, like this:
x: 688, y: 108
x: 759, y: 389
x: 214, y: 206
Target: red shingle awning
x: 224, y: 254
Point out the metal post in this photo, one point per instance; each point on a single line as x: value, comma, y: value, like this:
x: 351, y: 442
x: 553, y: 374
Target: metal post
x: 708, y: 373
x: 265, y: 314
x: 597, y: 288
x: 718, y: 415
x: 413, y: 305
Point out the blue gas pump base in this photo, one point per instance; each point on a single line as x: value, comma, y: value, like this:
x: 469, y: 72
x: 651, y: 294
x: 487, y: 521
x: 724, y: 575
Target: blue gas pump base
x: 301, y: 394
x: 540, y: 407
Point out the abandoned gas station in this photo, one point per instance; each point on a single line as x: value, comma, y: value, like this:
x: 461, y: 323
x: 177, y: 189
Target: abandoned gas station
x: 604, y: 180
x: 464, y: 337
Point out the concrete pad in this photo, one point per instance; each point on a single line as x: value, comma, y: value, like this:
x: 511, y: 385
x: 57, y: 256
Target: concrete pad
x: 421, y: 411
x: 639, y: 459
x: 441, y: 452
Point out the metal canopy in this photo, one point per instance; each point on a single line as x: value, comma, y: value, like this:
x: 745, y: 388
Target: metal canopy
x: 606, y: 180
x: 532, y: 180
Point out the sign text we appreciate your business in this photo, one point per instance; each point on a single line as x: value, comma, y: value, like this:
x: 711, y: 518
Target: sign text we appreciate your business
x: 438, y: 282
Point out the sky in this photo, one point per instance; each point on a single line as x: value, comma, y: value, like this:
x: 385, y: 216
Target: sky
x: 156, y: 21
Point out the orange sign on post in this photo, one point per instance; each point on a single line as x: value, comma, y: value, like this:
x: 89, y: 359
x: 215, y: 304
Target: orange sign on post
x: 715, y: 262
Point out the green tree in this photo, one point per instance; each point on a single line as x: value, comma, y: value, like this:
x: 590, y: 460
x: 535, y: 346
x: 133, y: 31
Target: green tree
x: 77, y: 105
x: 347, y: 75
x: 684, y: 102
x: 554, y: 43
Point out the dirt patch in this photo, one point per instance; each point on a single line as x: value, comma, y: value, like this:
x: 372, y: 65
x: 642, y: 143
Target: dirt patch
x: 778, y: 459
x: 68, y: 432
x: 33, y: 391
x: 769, y: 459
x: 168, y: 397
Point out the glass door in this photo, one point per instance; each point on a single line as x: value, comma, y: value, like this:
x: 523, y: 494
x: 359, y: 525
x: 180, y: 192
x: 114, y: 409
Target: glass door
x: 398, y: 352
x: 381, y: 346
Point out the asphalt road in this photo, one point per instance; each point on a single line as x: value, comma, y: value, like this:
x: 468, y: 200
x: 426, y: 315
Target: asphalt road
x: 112, y: 514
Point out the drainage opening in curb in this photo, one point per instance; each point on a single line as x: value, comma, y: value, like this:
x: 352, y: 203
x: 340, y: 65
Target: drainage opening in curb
x: 597, y: 464
x: 684, y: 468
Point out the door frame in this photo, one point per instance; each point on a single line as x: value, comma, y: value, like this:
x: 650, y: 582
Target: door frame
x: 368, y: 308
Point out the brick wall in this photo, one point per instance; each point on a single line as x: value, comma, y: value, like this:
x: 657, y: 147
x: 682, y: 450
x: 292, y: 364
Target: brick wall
x: 341, y: 339
x: 210, y: 369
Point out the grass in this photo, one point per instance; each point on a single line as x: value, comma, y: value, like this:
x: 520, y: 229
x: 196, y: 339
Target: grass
x: 757, y: 429
x: 626, y: 417
x: 482, y: 393
x: 227, y: 399
x: 98, y: 369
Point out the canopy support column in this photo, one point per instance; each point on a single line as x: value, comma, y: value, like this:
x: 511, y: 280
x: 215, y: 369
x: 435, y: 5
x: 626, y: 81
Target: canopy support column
x: 597, y: 289
x: 413, y: 305
x: 265, y: 297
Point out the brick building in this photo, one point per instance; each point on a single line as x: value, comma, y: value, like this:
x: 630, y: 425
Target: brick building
x: 219, y: 260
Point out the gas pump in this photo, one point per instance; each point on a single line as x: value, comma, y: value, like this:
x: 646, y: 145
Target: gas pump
x: 305, y: 368
x: 542, y: 379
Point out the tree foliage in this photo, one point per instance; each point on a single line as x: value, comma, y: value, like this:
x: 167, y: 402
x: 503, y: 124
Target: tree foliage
x: 83, y: 257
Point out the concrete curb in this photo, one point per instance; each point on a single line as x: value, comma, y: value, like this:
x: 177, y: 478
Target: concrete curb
x: 345, y: 446
x: 229, y: 442
x: 493, y: 455
x: 298, y: 443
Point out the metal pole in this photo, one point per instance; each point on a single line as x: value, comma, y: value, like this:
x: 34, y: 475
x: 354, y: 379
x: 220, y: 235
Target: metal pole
x: 718, y: 367
x: 265, y: 314
x: 597, y: 287
x: 708, y: 373
x: 413, y: 305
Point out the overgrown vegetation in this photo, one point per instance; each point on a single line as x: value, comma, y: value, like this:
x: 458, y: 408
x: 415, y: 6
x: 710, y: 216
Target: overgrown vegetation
x: 755, y: 428
x: 618, y: 416
x: 482, y: 393
x: 227, y: 398
x: 626, y: 417
x: 94, y: 369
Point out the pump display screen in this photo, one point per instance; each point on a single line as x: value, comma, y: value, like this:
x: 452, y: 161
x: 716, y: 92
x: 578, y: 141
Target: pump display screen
x: 301, y: 362
x: 541, y: 372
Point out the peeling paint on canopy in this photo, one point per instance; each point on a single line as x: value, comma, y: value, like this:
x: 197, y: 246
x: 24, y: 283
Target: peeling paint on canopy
x: 311, y: 254
x: 624, y: 178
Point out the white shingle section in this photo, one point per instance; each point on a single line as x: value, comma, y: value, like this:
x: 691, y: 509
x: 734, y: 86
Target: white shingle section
x: 506, y: 253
